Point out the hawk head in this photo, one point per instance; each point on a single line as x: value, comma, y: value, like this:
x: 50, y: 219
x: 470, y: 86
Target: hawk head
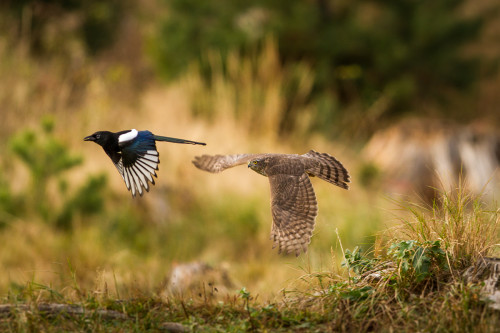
x: 258, y: 165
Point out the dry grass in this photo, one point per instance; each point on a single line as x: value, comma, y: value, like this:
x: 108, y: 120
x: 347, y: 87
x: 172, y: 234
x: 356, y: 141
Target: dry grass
x: 126, y: 252
x: 131, y: 252
x: 386, y: 297
x: 466, y: 228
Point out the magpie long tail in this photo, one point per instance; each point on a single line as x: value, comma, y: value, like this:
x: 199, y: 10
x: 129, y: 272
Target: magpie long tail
x: 175, y: 140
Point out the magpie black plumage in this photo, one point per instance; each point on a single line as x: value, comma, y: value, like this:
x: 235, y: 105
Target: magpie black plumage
x: 134, y: 154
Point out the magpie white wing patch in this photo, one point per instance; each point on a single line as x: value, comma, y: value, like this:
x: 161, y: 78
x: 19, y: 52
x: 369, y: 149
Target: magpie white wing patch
x: 132, y: 134
x: 137, y: 175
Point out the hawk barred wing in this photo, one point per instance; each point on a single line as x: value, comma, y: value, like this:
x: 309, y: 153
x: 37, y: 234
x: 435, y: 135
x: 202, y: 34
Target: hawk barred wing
x: 294, y: 209
x: 293, y: 202
x: 218, y: 163
x: 326, y: 167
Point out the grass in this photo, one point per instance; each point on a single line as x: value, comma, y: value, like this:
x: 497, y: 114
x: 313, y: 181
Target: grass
x: 116, y: 257
x: 138, y: 241
x: 413, y: 284
x: 461, y: 222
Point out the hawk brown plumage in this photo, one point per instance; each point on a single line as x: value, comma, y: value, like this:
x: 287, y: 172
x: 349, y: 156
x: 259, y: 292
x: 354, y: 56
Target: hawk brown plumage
x: 293, y: 202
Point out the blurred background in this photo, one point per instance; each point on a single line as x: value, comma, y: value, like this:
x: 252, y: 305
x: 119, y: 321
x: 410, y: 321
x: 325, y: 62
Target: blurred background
x: 404, y: 93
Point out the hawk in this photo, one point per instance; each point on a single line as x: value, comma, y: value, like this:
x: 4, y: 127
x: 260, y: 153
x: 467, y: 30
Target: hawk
x: 293, y: 202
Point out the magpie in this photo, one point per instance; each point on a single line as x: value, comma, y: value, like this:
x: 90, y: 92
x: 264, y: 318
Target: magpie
x: 134, y: 154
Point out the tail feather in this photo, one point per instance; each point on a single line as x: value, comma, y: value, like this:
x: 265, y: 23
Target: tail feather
x: 328, y: 168
x: 175, y: 140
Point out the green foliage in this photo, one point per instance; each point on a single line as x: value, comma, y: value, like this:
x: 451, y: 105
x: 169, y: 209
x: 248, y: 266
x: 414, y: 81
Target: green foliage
x: 433, y: 302
x: 357, y: 310
x: 87, y: 201
x: 357, y: 294
x: 43, y: 153
x: 368, y: 174
x: 47, y: 158
x: 373, y: 59
x: 9, y: 203
x: 124, y: 226
x: 356, y: 262
x: 94, y: 22
x: 417, y: 259
x: 466, y: 229
x: 192, y: 28
x: 415, y: 262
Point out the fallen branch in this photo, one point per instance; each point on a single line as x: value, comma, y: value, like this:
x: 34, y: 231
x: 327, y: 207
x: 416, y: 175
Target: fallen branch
x: 60, y: 309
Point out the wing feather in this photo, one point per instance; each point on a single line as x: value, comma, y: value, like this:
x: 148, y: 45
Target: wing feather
x: 218, y: 163
x: 137, y: 181
x: 139, y: 161
x: 293, y: 202
x: 147, y: 167
x: 148, y: 174
x: 294, y: 209
x: 326, y: 167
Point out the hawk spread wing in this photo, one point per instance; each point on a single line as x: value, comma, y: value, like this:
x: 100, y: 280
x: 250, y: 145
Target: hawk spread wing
x: 218, y: 163
x: 294, y: 209
x: 293, y: 201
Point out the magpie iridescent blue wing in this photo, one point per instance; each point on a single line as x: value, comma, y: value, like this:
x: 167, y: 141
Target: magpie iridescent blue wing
x: 139, y: 160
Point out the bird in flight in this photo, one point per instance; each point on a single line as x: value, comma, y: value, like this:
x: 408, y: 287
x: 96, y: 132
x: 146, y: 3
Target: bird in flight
x: 134, y: 154
x: 293, y: 202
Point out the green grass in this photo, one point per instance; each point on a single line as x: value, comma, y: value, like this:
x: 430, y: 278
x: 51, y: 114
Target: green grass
x: 418, y: 287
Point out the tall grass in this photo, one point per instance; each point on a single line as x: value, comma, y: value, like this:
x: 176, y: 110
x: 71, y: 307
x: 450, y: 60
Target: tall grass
x: 414, y: 281
x: 461, y: 222
x: 257, y: 91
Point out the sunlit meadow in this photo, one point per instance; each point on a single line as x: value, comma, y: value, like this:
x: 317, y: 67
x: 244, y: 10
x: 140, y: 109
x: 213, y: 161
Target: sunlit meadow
x: 72, y: 234
x: 130, y: 244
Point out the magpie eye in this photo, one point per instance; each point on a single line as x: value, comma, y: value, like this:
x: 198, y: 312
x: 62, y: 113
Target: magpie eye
x: 98, y: 136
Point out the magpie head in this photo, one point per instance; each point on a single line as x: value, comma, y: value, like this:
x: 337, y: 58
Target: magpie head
x: 100, y: 137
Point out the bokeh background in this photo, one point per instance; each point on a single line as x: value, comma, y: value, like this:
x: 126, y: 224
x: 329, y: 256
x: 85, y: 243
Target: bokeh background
x: 404, y: 93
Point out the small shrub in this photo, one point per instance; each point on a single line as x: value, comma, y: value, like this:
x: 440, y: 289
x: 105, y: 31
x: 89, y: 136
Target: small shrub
x: 416, y: 260
x: 87, y: 200
x: 356, y: 262
x: 47, y: 158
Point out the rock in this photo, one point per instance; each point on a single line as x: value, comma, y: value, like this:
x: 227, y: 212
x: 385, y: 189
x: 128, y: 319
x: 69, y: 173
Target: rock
x: 487, y: 271
x: 173, y: 327
x: 198, y: 279
x: 417, y: 156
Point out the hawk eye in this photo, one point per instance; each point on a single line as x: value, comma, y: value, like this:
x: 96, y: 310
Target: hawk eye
x: 254, y: 162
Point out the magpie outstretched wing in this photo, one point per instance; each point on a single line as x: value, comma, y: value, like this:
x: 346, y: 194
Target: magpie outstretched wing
x: 134, y: 154
x: 139, y: 160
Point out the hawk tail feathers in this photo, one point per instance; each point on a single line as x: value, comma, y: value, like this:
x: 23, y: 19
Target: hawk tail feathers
x: 328, y: 168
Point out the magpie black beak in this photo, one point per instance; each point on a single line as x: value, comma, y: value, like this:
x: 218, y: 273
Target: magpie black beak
x: 89, y: 138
